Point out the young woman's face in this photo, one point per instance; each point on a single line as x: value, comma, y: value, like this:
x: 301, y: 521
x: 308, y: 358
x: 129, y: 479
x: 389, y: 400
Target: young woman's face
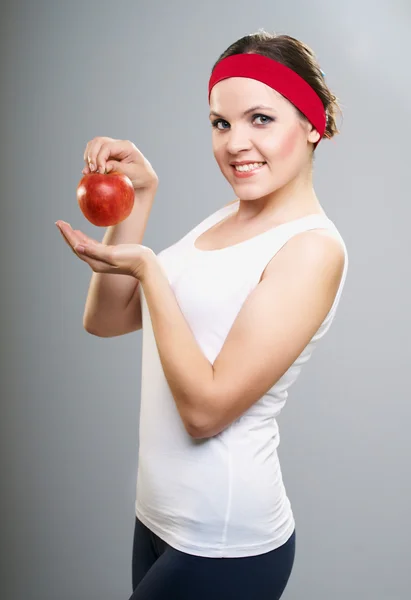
x: 242, y: 133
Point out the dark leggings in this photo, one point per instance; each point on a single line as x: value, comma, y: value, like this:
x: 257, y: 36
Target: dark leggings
x: 160, y: 572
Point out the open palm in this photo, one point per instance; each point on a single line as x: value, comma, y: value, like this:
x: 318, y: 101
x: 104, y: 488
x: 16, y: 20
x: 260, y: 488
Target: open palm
x: 126, y: 259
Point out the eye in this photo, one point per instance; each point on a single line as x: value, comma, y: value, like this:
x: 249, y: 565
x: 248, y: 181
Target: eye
x: 216, y: 123
x: 226, y: 124
x: 268, y: 119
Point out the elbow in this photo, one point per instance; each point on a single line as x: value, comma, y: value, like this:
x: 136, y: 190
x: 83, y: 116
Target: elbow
x: 91, y: 331
x: 91, y: 325
x: 88, y: 326
x: 200, y: 427
x: 192, y: 427
x: 205, y: 420
x: 204, y: 432
x: 195, y: 432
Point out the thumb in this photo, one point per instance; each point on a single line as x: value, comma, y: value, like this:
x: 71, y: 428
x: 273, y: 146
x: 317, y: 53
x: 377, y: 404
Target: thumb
x: 120, y: 167
x: 113, y: 165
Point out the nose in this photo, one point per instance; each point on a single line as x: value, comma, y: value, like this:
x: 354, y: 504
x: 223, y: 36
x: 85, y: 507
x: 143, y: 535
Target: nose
x: 237, y: 140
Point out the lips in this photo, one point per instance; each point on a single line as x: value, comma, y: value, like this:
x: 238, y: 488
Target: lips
x: 246, y: 162
x: 246, y: 174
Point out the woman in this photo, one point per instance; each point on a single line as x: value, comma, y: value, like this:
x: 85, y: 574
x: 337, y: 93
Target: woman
x: 229, y: 315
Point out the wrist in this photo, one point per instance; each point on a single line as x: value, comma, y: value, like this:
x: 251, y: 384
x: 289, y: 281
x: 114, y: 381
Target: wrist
x: 147, y: 192
x: 148, y: 264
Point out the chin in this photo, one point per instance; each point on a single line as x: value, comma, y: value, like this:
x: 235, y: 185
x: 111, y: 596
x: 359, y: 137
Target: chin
x: 249, y: 192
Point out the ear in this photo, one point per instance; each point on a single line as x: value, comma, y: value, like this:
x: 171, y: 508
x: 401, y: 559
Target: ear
x: 313, y: 135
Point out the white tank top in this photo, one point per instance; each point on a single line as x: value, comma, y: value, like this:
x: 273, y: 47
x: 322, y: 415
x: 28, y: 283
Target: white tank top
x: 221, y: 496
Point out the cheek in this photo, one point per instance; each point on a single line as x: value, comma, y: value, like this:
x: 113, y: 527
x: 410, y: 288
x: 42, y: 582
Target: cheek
x: 218, y: 151
x: 287, y: 145
x: 290, y: 143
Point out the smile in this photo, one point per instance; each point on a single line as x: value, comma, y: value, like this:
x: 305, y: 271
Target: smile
x: 248, y: 170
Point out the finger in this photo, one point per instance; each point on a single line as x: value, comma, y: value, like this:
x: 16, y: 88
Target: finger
x: 92, y: 151
x: 116, y: 149
x: 86, y: 169
x: 70, y: 241
x: 102, y: 157
x: 97, y: 265
x: 84, y: 238
x: 64, y: 228
x: 69, y: 235
x: 73, y: 234
x: 78, y: 237
x: 69, y: 245
x: 64, y: 238
x: 99, y: 252
x: 86, y: 153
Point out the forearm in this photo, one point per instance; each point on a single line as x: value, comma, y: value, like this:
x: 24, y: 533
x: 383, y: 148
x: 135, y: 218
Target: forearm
x: 108, y: 293
x: 188, y: 372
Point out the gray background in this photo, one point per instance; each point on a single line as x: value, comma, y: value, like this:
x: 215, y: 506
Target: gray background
x: 70, y: 401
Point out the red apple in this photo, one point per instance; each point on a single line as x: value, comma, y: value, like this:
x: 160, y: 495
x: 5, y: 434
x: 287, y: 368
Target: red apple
x: 105, y: 199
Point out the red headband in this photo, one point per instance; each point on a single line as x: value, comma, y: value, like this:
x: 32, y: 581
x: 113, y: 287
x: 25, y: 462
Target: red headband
x: 279, y: 77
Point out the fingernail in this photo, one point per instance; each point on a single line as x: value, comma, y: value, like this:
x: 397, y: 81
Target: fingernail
x: 79, y: 248
x: 92, y: 167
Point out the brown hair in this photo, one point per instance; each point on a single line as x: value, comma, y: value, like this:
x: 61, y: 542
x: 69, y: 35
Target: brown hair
x: 297, y: 56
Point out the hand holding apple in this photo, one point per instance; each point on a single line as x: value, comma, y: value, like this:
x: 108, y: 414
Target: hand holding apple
x: 115, y: 172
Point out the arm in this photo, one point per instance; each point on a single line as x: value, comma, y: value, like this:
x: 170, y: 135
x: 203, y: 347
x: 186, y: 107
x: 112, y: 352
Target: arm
x: 113, y: 302
x: 267, y: 336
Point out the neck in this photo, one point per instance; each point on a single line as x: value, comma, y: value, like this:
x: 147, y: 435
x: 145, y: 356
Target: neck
x: 295, y: 199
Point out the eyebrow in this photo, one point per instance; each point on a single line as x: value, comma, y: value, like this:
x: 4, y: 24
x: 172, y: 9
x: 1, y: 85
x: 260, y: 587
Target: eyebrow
x: 249, y: 110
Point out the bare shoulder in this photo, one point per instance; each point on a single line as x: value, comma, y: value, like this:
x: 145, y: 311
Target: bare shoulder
x: 317, y: 249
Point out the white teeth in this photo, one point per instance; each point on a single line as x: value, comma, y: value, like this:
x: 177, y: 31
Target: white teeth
x: 249, y: 167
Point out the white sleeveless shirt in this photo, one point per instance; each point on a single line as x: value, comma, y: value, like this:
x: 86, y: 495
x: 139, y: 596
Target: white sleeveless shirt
x: 221, y: 496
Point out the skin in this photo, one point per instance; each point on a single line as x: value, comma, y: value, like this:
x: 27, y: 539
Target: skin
x: 284, y: 188
x: 271, y: 329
